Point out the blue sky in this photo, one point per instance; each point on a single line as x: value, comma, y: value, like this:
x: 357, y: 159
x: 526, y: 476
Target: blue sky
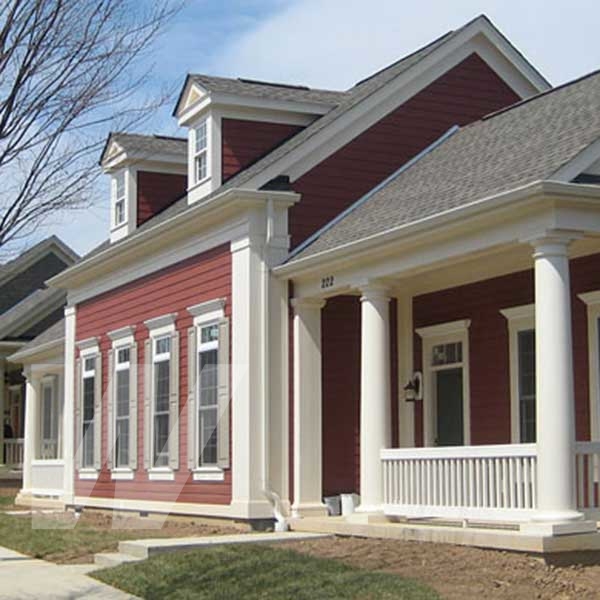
x: 332, y: 44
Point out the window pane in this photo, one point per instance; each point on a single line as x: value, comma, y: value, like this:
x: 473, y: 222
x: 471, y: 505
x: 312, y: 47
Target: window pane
x: 161, y: 383
x: 120, y: 178
x: 122, y: 443
x: 119, y: 211
x: 89, y: 364
x: 87, y: 449
x: 163, y: 345
x: 88, y: 398
x: 161, y: 440
x: 209, y: 334
x: 208, y: 436
x: 123, y: 356
x: 201, y: 137
x: 446, y: 354
x: 122, y: 408
x: 526, y: 349
x: 201, y: 166
x: 47, y: 413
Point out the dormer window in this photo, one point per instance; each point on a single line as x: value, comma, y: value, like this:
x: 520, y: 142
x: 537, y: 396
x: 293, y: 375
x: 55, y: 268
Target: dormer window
x: 120, y: 211
x: 201, y: 151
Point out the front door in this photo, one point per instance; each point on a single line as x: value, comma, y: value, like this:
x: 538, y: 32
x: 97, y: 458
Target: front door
x: 449, y: 407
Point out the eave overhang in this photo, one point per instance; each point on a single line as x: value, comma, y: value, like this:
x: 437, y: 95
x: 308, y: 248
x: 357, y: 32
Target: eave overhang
x: 550, y: 193
x: 202, y: 214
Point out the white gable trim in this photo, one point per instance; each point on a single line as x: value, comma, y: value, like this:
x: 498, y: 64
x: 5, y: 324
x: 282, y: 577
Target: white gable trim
x: 479, y: 37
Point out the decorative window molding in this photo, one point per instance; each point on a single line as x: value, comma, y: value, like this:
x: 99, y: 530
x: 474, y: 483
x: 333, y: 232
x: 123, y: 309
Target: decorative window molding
x: 592, y: 301
x: 455, y: 336
x: 88, y: 346
x: 161, y: 398
x: 123, y: 334
x: 520, y: 319
x: 208, y: 391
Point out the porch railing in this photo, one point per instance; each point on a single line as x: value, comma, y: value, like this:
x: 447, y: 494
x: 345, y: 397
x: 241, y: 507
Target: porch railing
x: 464, y: 482
x: 587, y: 463
x: 13, y: 453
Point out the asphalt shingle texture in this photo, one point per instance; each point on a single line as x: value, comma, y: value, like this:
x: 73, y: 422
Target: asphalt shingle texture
x: 529, y: 142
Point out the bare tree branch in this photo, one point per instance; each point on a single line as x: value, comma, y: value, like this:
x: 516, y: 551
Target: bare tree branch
x: 70, y: 72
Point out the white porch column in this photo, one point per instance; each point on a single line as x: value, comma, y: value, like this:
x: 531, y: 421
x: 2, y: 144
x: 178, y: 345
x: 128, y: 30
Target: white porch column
x: 555, y: 410
x: 68, y: 429
x: 308, y: 460
x: 375, y: 417
x: 2, y: 406
x: 31, y: 426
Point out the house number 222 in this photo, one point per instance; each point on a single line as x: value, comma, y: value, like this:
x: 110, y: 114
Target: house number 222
x: 327, y: 282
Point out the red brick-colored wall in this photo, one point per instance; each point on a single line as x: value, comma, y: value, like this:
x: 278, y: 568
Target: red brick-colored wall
x: 489, y: 344
x: 156, y: 191
x: 198, y: 279
x: 462, y: 95
x: 244, y: 142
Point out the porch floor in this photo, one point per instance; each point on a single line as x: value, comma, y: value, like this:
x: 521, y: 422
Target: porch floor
x: 499, y: 536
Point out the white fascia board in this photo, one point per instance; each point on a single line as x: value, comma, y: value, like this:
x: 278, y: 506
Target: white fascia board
x: 52, y: 349
x: 223, y: 210
x: 476, y: 38
x: 293, y: 109
x: 124, y: 159
x: 548, y: 190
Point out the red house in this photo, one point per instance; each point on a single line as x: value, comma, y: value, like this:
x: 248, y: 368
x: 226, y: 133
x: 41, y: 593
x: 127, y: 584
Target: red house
x: 390, y: 291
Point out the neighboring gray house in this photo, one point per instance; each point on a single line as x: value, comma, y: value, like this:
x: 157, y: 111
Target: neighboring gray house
x: 27, y: 308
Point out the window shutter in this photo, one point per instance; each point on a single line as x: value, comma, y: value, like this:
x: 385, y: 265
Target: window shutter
x: 147, y: 401
x: 174, y: 402
x: 110, y: 396
x: 223, y: 396
x: 191, y: 398
x: 78, y: 416
x: 98, y: 413
x: 133, y: 405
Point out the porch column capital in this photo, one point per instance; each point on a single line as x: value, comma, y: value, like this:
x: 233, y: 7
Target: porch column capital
x: 300, y: 304
x: 374, y: 291
x: 553, y: 242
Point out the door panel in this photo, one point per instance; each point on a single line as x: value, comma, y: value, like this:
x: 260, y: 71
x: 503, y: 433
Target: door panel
x: 449, y: 404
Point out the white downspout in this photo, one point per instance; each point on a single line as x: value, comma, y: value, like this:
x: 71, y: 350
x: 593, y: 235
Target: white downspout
x: 281, y: 523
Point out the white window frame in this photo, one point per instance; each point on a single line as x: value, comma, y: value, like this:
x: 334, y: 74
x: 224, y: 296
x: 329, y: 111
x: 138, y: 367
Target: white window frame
x: 202, y: 152
x: 119, y: 367
x: 592, y: 302
x: 89, y: 349
x: 205, y: 314
x: 159, y: 328
x: 119, y: 199
x: 50, y: 382
x: 434, y: 335
x: 519, y: 318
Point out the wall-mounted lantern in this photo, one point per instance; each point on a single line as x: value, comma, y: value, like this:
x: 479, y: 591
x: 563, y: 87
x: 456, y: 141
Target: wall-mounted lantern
x: 413, y: 390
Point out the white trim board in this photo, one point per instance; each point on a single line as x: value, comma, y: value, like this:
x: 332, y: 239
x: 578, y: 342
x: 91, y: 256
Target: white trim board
x: 592, y: 301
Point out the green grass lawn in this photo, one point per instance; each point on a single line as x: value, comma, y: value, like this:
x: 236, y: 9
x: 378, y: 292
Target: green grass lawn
x: 58, y: 540
x: 256, y: 572
x: 6, y: 501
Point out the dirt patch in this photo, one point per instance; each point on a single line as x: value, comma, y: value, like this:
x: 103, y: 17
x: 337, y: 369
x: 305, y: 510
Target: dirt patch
x: 458, y: 572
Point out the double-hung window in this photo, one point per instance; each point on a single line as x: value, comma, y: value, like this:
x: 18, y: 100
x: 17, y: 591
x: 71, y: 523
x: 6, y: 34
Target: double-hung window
x: 121, y: 406
x: 521, y: 332
x: 120, y: 198
x: 201, y: 151
x: 161, y: 367
x: 208, y: 372
x: 88, y: 388
x: 50, y: 418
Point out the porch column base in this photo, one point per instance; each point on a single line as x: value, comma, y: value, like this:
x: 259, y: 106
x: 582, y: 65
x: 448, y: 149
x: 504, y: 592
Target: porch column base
x: 309, y: 510
x: 553, y: 529
x: 251, y: 509
x: 367, y: 518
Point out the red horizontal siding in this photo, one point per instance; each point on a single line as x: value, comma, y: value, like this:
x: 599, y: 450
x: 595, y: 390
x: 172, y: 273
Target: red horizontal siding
x: 244, y: 142
x: 156, y: 191
x: 198, y: 279
x: 462, y: 95
x: 489, y: 345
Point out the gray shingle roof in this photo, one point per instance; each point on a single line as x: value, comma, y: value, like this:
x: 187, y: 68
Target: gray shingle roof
x: 267, y: 90
x: 12, y: 321
x: 54, y: 333
x: 525, y: 143
x: 136, y: 143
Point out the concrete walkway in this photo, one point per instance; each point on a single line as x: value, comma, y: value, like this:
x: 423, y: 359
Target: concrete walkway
x: 25, y: 578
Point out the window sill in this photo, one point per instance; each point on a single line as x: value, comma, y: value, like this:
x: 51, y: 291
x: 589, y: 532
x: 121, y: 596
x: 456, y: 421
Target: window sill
x: 122, y: 474
x: 88, y: 474
x: 197, y: 184
x: 208, y: 474
x: 161, y: 474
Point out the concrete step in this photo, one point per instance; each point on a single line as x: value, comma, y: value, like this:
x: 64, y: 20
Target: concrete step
x: 113, y: 559
x: 142, y: 549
